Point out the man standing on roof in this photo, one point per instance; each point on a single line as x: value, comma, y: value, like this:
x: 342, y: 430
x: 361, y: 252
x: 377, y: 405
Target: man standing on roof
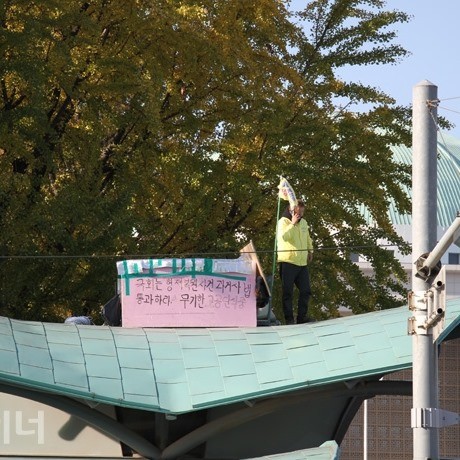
x: 295, y: 251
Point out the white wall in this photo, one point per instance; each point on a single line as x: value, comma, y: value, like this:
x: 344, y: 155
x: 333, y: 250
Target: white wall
x: 29, y: 428
x: 452, y: 271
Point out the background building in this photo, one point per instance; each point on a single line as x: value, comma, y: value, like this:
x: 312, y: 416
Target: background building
x: 388, y: 429
x: 448, y: 202
x: 389, y: 432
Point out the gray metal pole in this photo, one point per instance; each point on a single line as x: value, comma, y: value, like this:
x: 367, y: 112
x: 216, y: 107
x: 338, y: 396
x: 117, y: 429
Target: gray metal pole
x: 424, y: 226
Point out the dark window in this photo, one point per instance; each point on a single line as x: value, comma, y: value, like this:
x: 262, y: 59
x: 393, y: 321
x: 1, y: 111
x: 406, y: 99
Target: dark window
x: 454, y: 259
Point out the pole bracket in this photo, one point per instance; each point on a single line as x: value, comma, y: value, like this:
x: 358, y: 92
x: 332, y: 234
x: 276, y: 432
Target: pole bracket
x: 432, y: 417
x: 419, y: 302
x: 428, y: 308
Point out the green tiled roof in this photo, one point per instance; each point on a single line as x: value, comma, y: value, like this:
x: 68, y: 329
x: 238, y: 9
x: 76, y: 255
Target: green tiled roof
x: 181, y: 370
x: 448, y: 196
x: 448, y: 190
x: 327, y: 451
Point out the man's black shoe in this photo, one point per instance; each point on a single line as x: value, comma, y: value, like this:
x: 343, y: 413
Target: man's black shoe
x: 306, y: 319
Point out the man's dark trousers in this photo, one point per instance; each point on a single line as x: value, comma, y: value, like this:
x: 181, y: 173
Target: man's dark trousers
x: 295, y: 275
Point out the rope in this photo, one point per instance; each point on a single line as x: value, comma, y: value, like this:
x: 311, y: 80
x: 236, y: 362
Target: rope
x: 180, y: 256
x: 432, y: 104
x: 450, y: 110
x: 450, y: 98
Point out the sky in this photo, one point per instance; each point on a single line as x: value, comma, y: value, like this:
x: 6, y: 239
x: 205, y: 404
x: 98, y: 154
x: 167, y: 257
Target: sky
x: 432, y: 37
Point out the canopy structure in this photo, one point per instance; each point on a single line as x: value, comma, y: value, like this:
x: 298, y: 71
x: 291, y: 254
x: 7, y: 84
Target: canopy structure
x: 213, y: 392
x: 327, y: 451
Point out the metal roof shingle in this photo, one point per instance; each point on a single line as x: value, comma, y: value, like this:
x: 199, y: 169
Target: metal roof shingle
x: 178, y: 370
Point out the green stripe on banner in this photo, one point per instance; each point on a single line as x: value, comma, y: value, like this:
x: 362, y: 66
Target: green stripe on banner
x: 126, y: 276
x: 190, y: 273
x: 193, y: 268
x: 208, y: 265
x: 207, y: 271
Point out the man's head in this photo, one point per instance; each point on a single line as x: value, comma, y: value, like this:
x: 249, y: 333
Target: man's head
x: 299, y: 208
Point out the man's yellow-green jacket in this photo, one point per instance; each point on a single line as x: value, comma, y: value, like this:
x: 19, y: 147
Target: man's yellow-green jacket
x: 293, y: 241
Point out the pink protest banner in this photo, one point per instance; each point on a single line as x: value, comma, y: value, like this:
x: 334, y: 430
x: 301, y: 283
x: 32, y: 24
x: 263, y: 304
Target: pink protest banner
x: 165, y: 299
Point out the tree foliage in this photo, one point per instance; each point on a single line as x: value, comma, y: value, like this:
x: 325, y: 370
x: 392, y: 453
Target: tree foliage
x: 160, y: 128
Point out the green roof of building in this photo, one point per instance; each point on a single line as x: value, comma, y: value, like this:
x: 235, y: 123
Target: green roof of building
x: 448, y: 168
x: 448, y: 189
x: 327, y: 451
x: 182, y: 370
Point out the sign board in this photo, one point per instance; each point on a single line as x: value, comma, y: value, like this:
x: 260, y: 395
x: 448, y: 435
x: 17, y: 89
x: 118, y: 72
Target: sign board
x: 188, y: 292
